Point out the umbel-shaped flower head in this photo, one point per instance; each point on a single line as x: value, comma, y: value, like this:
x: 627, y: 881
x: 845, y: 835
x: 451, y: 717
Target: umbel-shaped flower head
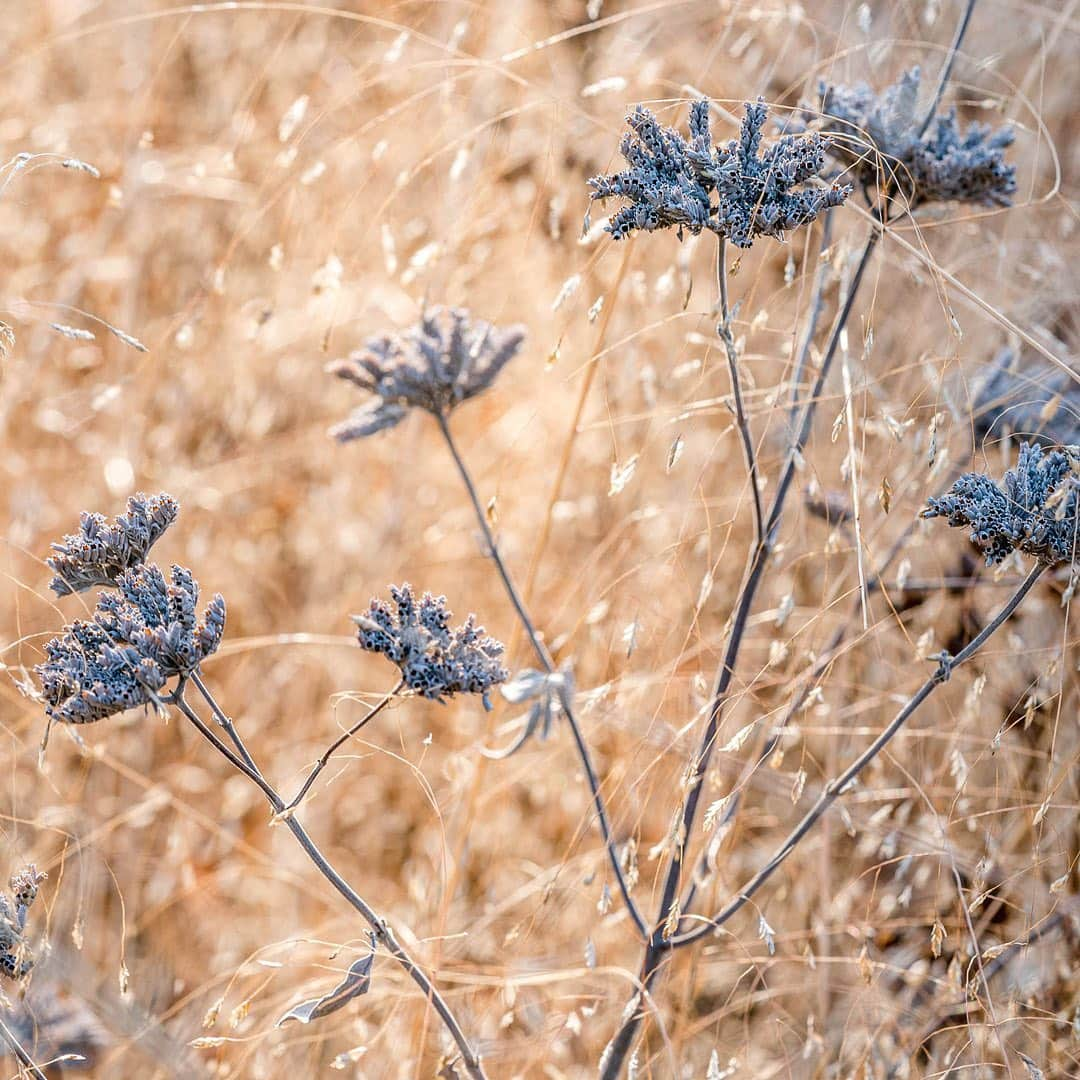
x: 1023, y: 395
x: 102, y: 550
x: 1034, y: 510
x: 941, y: 164
x: 141, y: 635
x: 737, y: 191
x: 434, y: 660
x: 442, y: 361
x: 15, y: 958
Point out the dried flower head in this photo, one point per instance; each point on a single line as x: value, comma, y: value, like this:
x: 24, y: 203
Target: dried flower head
x: 1034, y: 511
x: 1029, y: 398
x: 141, y: 635
x: 139, y: 638
x: 434, y: 660
x: 102, y: 550
x: 677, y: 183
x: 54, y: 1026
x: 15, y: 958
x: 938, y: 165
x: 445, y: 359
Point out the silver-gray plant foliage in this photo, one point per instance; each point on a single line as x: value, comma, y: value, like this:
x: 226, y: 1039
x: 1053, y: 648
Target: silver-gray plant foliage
x: 737, y: 191
x: 447, y: 358
x: 942, y: 164
x: 435, y: 660
x: 1034, y: 510
x: 145, y: 631
x: 102, y: 550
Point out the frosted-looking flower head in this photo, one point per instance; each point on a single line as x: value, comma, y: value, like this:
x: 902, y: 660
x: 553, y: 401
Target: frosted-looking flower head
x: 102, y: 550
x: 447, y: 358
x: 144, y: 631
x: 737, y: 191
x: 941, y: 164
x: 434, y: 660
x: 15, y: 958
x: 1034, y: 510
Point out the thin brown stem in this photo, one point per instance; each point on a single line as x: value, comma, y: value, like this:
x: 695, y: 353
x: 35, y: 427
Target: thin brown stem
x: 243, y: 761
x: 842, y: 783
x: 728, y: 338
x: 544, y: 657
x: 343, y: 738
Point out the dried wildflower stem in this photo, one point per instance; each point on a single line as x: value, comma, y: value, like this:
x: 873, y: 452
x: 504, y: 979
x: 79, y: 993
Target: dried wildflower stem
x: 724, y: 330
x: 381, y: 928
x: 950, y: 61
x: 224, y: 721
x: 25, y: 1060
x: 544, y: 656
x: 658, y: 944
x: 755, y: 573
x: 838, y: 786
x: 343, y: 738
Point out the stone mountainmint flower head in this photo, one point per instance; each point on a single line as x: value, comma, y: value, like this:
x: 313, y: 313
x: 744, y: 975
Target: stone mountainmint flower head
x: 15, y: 958
x: 1025, y: 396
x: 434, y: 660
x: 940, y: 165
x: 141, y: 635
x: 102, y: 550
x: 1034, y: 511
x: 673, y: 182
x: 445, y: 359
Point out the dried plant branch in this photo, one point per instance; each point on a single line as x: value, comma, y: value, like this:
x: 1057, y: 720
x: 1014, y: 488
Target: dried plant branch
x: 545, y: 659
x: 659, y: 942
x: 947, y: 67
x: 724, y: 330
x: 25, y: 1060
x: 382, y: 930
x: 343, y: 738
x: 842, y: 783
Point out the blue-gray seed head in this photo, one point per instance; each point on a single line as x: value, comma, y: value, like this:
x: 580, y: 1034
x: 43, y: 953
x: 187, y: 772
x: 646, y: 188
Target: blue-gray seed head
x: 444, y: 360
x: 1033, y: 510
x: 736, y: 191
x: 435, y: 660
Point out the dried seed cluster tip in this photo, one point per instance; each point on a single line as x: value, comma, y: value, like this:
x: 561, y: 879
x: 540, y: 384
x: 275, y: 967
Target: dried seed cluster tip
x: 102, y: 550
x: 141, y: 635
x: 941, y: 164
x: 447, y: 358
x: 15, y: 958
x: 736, y: 191
x: 1034, y: 510
x: 434, y: 660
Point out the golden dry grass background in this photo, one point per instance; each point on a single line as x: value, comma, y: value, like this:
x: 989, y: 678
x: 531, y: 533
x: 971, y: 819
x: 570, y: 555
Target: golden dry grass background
x: 442, y: 155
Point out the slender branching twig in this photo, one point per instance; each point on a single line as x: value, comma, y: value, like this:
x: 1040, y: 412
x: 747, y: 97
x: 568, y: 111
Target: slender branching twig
x: 658, y: 942
x: 243, y: 761
x: 544, y: 657
x: 947, y: 67
x: 842, y: 783
x: 724, y: 330
x: 343, y: 738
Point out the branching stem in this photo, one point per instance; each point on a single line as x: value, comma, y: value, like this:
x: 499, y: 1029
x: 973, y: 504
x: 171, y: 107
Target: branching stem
x: 242, y: 760
x: 724, y: 330
x: 544, y: 657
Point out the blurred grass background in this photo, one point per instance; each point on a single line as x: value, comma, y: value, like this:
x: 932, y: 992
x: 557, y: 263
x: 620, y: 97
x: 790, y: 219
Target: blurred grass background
x: 280, y: 181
